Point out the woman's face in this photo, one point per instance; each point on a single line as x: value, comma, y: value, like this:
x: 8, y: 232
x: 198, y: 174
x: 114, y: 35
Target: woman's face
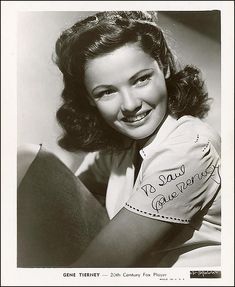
x: 128, y: 88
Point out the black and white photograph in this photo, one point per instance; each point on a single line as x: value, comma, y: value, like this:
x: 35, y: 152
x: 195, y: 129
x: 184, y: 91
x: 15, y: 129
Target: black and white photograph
x: 118, y: 138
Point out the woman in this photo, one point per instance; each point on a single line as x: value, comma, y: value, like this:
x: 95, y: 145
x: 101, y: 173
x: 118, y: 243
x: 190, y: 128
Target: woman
x: 151, y: 157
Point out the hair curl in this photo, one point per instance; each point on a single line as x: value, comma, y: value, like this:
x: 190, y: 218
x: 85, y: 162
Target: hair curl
x: 84, y: 128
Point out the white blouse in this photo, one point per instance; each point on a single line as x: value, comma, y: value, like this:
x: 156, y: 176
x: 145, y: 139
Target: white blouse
x: 179, y: 181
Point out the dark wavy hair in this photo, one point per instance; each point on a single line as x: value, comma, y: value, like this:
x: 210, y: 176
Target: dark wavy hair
x: 84, y: 128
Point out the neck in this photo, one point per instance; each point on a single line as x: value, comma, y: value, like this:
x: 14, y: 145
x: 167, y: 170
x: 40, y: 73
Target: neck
x: 141, y: 142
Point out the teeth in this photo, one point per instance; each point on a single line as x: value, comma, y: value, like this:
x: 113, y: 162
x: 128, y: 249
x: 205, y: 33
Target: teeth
x: 136, y: 118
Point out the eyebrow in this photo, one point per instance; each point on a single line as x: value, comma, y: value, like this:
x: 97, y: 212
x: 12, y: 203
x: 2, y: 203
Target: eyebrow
x: 130, y: 80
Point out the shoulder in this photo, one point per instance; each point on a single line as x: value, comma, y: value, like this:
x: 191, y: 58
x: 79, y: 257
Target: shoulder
x: 180, y: 176
x: 189, y: 142
x: 189, y: 134
x: 98, y: 162
x: 193, y: 130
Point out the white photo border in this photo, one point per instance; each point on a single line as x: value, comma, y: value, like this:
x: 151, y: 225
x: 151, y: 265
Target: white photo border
x: 13, y: 276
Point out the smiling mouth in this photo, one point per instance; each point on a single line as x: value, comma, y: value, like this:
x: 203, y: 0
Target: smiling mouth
x: 136, y: 118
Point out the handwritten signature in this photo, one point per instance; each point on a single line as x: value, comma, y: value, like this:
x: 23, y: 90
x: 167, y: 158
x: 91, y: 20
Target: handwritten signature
x: 172, y: 176
x: 160, y: 200
x: 148, y: 188
x: 212, y: 172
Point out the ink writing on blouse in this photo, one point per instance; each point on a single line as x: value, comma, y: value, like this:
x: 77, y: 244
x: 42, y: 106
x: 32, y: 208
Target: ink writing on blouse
x: 171, y: 176
x: 148, y: 188
x: 158, y: 202
x: 164, y: 179
x: 212, y: 171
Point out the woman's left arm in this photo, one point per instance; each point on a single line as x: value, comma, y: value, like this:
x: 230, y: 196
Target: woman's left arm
x: 125, y: 240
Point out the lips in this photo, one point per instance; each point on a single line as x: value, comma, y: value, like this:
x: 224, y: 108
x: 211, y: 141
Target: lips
x: 137, y: 118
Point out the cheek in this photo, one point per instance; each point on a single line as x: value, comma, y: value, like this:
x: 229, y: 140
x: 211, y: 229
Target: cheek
x: 108, y: 110
x: 155, y: 95
x: 158, y: 91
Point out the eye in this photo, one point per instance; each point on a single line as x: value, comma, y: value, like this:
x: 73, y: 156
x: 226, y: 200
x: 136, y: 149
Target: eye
x: 105, y: 93
x: 143, y: 80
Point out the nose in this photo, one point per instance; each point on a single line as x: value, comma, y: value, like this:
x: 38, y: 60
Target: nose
x: 130, y: 103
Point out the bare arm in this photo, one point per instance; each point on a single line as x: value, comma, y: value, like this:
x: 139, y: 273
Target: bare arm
x: 124, y: 240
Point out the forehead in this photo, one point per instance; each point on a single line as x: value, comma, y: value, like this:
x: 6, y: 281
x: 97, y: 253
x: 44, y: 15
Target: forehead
x: 121, y: 64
